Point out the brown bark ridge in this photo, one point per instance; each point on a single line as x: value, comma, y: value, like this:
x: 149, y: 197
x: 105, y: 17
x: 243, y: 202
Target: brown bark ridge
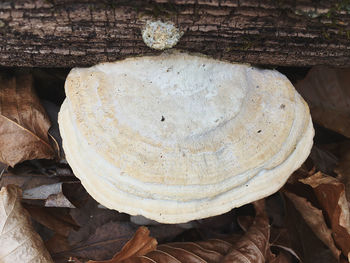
x: 69, y: 33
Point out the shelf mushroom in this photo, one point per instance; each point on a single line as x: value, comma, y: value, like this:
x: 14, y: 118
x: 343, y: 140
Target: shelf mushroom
x: 178, y: 137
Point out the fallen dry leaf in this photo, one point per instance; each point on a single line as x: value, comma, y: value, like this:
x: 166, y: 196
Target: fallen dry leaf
x: 282, y: 258
x: 19, y: 242
x: 315, y: 220
x: 24, y: 123
x: 102, y: 244
x: 55, y: 219
x: 56, y: 244
x: 330, y: 194
x: 43, y: 190
x: 54, y: 225
x: 140, y: 244
x: 302, y: 239
x: 93, y: 233
x: 280, y: 239
x: 343, y: 170
x: 252, y: 247
x: 46, y: 167
x: 327, y: 92
x: 323, y: 160
x: 212, y: 227
x: 58, y: 200
x: 52, y: 111
x: 89, y: 217
x: 51, y: 193
x: 102, y: 233
x: 26, y: 181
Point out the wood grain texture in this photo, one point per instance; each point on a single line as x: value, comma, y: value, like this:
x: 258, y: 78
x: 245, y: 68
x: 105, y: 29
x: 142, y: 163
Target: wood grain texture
x: 67, y: 33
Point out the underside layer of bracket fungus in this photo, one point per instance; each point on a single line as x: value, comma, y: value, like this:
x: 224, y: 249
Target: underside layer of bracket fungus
x: 178, y: 137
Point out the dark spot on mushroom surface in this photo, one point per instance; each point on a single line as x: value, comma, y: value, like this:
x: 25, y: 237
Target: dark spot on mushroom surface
x: 258, y: 131
x: 162, y: 119
x: 282, y: 106
x: 257, y: 87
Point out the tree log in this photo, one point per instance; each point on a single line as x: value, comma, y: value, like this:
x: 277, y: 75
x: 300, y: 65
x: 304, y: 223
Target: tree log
x: 70, y: 33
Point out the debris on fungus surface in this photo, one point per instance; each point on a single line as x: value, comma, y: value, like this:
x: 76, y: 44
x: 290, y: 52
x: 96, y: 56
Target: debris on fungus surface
x: 178, y: 137
x: 160, y: 35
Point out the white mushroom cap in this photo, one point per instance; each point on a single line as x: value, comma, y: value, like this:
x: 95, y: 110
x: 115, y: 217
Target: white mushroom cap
x: 179, y: 137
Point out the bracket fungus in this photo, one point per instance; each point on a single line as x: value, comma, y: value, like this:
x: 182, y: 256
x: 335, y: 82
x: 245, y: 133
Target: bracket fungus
x: 178, y: 137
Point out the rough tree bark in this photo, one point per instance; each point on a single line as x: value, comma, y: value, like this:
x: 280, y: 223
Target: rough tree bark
x: 67, y: 33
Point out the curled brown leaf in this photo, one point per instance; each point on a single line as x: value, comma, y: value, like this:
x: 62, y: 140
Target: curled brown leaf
x: 252, y: 247
x: 140, y: 244
x: 330, y: 193
x: 315, y: 220
x: 19, y: 242
x: 302, y: 239
x: 343, y: 169
x: 101, y: 244
x: 24, y: 123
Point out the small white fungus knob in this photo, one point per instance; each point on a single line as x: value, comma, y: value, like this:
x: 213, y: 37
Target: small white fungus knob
x: 160, y: 35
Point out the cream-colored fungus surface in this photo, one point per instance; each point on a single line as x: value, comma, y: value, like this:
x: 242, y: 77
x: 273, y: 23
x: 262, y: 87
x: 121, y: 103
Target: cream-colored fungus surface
x: 178, y: 137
